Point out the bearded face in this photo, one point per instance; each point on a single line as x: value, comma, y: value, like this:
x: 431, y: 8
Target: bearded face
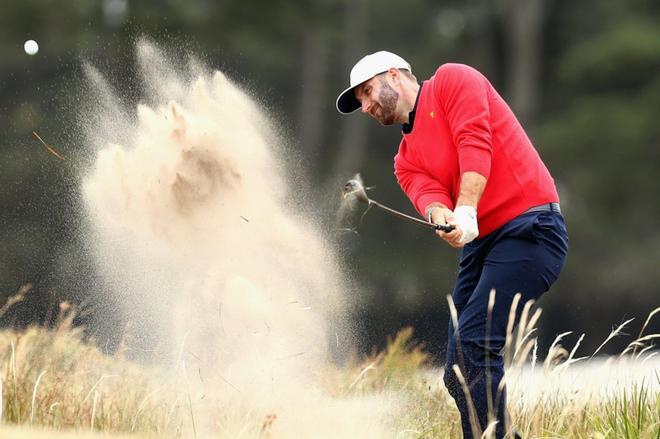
x: 385, y: 111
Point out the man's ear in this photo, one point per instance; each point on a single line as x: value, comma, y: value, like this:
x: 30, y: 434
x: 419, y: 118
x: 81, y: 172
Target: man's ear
x: 396, y: 75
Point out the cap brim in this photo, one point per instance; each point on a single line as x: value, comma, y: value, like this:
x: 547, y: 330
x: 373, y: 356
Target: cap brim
x: 347, y: 102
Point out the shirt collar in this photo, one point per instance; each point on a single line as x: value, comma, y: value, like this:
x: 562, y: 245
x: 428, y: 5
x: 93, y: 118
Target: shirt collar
x: 408, y: 127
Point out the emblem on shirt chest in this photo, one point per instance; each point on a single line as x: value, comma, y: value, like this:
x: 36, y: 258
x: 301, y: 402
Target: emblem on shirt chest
x: 432, y: 115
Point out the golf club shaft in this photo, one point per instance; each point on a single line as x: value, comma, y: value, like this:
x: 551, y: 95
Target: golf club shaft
x: 443, y: 227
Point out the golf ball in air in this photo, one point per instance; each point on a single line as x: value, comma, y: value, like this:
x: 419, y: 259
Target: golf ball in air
x: 31, y: 47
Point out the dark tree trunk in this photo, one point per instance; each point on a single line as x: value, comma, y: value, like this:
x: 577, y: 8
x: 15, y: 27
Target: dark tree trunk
x: 314, y: 79
x: 353, y: 138
x: 523, y: 21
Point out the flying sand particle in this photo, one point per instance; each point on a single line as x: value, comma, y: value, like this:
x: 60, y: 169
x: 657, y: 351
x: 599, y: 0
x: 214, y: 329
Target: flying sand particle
x: 48, y: 148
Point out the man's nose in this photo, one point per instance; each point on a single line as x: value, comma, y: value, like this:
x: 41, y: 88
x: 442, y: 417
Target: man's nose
x: 365, y: 106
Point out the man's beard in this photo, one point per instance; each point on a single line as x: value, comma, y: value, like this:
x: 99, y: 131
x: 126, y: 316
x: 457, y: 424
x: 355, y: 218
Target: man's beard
x: 388, y: 98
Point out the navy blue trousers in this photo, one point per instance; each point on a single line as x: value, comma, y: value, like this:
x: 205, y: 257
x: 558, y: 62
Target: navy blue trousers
x: 524, y: 256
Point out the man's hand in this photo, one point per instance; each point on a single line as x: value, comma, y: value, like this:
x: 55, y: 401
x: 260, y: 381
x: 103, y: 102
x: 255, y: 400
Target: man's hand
x: 466, y: 217
x: 443, y: 215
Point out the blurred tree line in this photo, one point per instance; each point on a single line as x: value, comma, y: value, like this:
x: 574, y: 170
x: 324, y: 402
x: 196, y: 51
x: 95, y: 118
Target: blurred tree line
x: 583, y: 77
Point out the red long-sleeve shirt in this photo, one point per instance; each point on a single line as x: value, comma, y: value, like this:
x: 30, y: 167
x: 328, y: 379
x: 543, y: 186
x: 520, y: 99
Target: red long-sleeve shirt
x: 462, y: 124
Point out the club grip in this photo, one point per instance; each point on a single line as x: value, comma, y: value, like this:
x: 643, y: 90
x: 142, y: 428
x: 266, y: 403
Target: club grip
x: 444, y: 227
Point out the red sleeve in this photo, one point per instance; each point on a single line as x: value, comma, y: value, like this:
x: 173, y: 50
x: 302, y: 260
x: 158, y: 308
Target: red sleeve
x: 421, y: 188
x: 463, y: 93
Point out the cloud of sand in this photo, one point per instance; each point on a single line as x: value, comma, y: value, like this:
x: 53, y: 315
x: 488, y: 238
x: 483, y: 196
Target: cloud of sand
x: 193, y: 229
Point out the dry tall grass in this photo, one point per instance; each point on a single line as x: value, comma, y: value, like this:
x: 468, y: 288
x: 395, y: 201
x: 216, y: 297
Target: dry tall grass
x: 55, y: 379
x: 614, y: 398
x: 563, y: 397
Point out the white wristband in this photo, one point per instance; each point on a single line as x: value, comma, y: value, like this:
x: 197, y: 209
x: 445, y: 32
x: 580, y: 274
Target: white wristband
x: 466, y: 218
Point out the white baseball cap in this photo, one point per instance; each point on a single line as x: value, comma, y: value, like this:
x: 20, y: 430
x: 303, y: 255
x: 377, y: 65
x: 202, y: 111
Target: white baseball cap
x: 364, y: 70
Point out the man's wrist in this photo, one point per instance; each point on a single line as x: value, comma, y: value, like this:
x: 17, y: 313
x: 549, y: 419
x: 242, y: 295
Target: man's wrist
x: 468, y: 203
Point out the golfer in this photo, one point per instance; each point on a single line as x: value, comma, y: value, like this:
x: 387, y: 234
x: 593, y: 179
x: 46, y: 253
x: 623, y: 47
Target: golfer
x: 465, y: 160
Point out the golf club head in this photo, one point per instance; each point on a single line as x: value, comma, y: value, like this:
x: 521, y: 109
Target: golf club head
x: 354, y: 188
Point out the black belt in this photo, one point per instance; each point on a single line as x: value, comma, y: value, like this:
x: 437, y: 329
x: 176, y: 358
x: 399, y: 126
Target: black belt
x: 548, y: 207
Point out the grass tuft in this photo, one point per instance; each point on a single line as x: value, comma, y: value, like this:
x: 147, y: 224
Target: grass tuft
x: 55, y: 379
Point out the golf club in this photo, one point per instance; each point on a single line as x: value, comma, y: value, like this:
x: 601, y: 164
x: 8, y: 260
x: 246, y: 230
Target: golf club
x: 354, y: 188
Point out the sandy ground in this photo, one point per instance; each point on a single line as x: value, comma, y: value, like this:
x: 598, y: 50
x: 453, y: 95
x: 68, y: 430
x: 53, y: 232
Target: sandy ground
x: 596, y: 378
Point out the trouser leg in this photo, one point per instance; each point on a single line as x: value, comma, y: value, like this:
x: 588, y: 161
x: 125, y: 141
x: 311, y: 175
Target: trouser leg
x: 468, y: 277
x: 512, y: 264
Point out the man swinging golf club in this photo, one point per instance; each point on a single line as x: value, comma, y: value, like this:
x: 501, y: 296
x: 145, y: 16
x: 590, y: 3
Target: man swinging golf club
x: 465, y: 160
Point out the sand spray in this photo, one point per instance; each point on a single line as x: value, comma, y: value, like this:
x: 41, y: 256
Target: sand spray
x: 193, y: 227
